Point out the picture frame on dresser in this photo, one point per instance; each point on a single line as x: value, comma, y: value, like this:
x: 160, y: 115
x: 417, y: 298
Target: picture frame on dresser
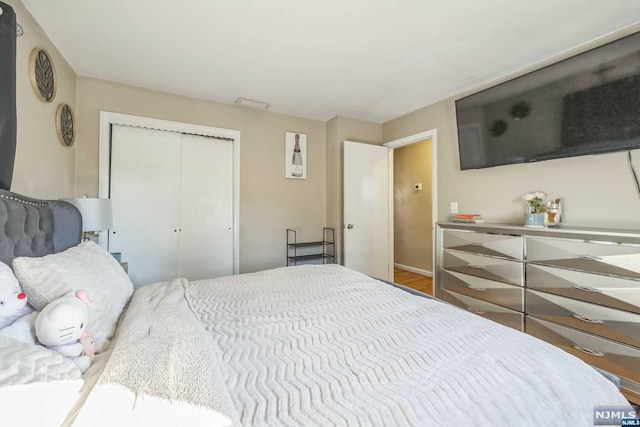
x: 576, y: 288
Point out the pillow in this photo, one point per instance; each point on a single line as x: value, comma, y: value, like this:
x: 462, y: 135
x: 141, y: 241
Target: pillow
x: 86, y: 266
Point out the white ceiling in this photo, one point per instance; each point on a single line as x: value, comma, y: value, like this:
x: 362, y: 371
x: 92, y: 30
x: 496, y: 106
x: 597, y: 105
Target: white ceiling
x: 369, y: 59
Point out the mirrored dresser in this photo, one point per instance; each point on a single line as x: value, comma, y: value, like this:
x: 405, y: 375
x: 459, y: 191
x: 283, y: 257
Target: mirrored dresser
x: 576, y: 288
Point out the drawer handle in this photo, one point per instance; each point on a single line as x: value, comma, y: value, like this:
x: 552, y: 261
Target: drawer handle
x: 586, y: 288
x: 589, y: 257
x: 475, y: 266
x: 589, y: 352
x: 473, y: 288
x: 474, y: 311
x: 586, y: 319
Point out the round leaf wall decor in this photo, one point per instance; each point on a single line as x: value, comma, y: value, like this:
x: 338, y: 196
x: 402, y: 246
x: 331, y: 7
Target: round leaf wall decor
x: 65, y: 124
x: 43, y: 75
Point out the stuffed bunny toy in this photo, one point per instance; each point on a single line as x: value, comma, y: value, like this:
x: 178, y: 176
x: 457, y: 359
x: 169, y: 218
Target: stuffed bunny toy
x: 13, y: 302
x: 62, y: 323
x: 16, y: 318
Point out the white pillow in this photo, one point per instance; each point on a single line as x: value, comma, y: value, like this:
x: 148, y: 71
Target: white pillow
x: 86, y: 266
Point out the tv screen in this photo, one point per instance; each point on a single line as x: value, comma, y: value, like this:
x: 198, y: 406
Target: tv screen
x: 587, y: 104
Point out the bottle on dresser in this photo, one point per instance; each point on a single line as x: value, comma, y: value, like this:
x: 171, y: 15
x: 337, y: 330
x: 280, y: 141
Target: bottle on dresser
x: 553, y: 212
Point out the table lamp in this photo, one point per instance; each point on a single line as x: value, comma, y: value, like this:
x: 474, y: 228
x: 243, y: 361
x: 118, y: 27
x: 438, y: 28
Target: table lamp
x: 96, y: 216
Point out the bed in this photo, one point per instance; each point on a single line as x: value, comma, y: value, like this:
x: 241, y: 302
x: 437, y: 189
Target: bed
x: 295, y: 346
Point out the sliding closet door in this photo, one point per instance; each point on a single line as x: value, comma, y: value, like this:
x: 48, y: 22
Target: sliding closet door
x: 145, y: 189
x: 206, y: 218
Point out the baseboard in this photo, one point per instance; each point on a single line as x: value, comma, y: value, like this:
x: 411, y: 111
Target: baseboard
x: 413, y: 270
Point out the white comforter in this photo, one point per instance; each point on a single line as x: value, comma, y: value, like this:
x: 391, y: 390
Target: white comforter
x: 33, y: 377
x: 326, y: 346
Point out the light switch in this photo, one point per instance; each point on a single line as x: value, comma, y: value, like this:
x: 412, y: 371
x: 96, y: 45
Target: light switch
x: 454, y: 207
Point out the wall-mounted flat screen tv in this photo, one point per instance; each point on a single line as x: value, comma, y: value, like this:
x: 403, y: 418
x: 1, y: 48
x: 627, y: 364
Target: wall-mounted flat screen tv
x: 587, y: 104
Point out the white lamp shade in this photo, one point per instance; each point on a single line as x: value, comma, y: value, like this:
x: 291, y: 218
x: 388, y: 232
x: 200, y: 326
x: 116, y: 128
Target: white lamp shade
x: 96, y: 213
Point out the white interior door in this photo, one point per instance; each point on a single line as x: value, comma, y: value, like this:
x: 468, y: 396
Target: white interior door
x: 144, y: 190
x: 366, y: 209
x: 206, y: 239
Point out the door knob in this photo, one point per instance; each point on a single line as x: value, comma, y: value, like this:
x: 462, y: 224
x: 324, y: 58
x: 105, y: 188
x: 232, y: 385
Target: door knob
x: 349, y: 226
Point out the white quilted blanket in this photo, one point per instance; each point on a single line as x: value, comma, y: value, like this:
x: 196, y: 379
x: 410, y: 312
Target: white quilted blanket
x: 23, y: 363
x: 163, y: 369
x: 326, y: 346
x: 32, y: 377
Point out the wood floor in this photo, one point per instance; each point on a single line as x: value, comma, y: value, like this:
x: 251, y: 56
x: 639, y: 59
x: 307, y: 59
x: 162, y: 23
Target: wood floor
x: 415, y: 281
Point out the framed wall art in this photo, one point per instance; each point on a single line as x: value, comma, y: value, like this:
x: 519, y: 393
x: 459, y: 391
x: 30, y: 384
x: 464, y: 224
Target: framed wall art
x: 295, y: 155
x: 42, y: 74
x: 65, y: 125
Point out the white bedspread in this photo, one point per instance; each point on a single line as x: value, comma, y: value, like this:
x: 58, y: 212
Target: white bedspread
x: 32, y: 376
x: 163, y: 369
x: 326, y: 346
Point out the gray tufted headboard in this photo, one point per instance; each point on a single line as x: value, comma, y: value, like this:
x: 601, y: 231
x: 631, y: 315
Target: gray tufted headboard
x: 34, y: 228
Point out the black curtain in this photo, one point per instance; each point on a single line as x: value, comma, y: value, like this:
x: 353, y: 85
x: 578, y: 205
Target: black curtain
x: 7, y: 94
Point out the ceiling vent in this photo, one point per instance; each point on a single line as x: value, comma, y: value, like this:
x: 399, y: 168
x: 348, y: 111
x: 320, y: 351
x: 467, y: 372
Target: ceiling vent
x: 252, y: 103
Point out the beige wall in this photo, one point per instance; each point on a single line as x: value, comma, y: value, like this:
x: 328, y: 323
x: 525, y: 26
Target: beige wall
x: 44, y: 168
x: 412, y: 209
x: 269, y: 203
x: 597, y: 191
x: 340, y: 129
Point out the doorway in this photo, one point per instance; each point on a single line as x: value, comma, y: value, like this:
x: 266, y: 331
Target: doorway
x: 367, y: 192
x: 414, y: 199
x: 412, y: 216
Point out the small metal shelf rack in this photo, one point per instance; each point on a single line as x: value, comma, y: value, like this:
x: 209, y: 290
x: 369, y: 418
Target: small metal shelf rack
x: 325, y: 248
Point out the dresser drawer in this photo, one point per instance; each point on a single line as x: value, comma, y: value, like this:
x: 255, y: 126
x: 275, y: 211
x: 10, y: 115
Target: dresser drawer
x: 497, y: 269
x: 607, y: 322
x: 490, y: 311
x: 487, y: 290
x: 485, y: 244
x: 613, y: 357
x: 604, y: 258
x: 597, y: 289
